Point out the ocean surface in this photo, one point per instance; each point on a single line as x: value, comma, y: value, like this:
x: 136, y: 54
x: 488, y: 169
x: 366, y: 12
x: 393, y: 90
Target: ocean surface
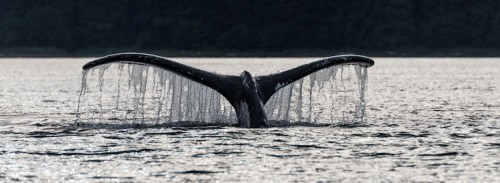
x: 428, y: 119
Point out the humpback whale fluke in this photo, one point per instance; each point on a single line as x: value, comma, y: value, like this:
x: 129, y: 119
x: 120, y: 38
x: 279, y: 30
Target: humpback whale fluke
x: 247, y: 94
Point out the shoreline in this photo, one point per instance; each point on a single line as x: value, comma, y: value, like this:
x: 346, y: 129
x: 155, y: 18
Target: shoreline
x: 417, y: 52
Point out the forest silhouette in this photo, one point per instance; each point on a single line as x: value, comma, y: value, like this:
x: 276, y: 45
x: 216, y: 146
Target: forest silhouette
x: 250, y: 27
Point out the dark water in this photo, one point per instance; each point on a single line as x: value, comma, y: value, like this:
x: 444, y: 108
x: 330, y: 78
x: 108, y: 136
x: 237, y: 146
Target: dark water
x: 428, y: 120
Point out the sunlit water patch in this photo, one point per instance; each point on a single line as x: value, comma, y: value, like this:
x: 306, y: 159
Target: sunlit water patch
x: 429, y: 120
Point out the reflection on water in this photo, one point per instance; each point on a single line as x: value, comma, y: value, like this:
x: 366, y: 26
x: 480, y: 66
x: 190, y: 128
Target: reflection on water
x: 428, y: 120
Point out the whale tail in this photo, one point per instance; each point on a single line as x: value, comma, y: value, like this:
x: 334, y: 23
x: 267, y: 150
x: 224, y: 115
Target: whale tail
x: 246, y: 94
x: 270, y: 84
x: 224, y: 84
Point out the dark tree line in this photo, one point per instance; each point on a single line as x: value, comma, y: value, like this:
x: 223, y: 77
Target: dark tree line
x: 245, y: 25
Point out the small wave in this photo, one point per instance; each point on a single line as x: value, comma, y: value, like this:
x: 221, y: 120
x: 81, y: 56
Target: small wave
x: 284, y: 155
x: 458, y: 135
x: 197, y: 124
x: 104, y: 125
x: 110, y: 177
x: 376, y: 154
x: 198, y: 172
x: 444, y: 154
x: 307, y: 146
x: 49, y: 153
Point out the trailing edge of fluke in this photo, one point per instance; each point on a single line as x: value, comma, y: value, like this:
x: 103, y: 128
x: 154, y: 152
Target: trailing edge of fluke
x: 246, y: 93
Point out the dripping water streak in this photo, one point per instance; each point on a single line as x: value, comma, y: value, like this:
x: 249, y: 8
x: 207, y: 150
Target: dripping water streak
x: 82, y: 93
x: 326, y: 99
